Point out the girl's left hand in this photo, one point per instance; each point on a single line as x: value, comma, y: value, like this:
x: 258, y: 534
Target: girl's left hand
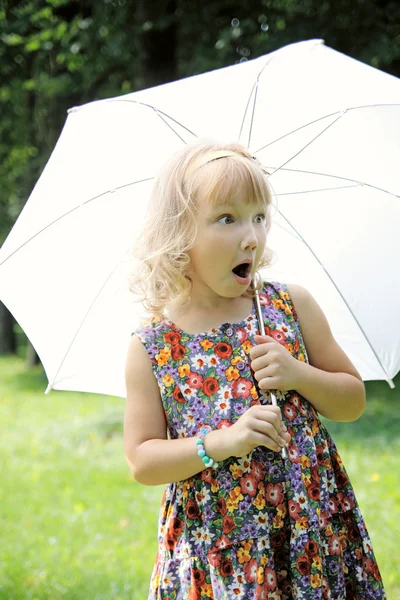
x: 273, y: 365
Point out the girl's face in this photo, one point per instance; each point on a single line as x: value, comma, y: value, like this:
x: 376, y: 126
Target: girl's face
x: 228, y: 235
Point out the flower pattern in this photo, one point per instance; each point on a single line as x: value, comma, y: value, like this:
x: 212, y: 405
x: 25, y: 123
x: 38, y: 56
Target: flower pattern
x: 260, y: 526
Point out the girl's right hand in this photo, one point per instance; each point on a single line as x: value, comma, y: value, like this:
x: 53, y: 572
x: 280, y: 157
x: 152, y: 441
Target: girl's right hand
x: 260, y: 425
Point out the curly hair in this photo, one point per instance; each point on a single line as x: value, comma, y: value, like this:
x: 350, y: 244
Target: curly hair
x: 204, y: 169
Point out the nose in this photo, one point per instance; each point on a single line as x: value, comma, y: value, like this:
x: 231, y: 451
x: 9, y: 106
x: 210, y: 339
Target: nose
x: 249, y: 239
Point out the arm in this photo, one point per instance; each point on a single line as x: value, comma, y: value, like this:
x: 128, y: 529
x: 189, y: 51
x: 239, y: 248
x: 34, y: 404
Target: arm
x: 330, y: 382
x: 152, y: 458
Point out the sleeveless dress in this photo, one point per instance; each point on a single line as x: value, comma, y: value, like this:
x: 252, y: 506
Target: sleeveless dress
x: 257, y: 527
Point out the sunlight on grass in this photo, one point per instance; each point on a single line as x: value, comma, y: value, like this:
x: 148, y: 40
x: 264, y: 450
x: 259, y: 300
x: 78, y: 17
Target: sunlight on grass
x: 76, y: 526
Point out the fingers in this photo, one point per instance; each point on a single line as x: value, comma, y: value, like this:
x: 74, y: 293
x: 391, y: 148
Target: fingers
x: 278, y: 437
x: 259, y: 439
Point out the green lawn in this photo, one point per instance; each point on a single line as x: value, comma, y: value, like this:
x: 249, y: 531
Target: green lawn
x: 74, y: 525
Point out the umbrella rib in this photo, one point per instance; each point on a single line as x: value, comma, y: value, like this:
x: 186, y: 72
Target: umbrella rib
x: 340, y: 294
x: 331, y: 189
x: 306, y: 146
x: 50, y: 386
x: 375, y: 187
x: 252, y: 114
x: 255, y: 86
x: 70, y: 212
x: 338, y: 112
x: 157, y: 110
x: 168, y: 125
x: 246, y: 109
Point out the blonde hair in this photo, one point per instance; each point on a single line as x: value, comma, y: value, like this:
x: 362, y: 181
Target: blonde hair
x: 204, y: 169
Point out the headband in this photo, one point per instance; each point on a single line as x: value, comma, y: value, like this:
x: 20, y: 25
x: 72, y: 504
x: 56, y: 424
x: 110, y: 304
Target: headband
x: 215, y: 155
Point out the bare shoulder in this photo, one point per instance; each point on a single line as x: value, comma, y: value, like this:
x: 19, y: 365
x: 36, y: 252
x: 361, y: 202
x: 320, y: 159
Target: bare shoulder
x: 323, y: 350
x: 144, y: 413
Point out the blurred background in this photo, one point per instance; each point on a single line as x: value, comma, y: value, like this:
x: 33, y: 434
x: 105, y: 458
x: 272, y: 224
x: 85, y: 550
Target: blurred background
x: 74, y: 524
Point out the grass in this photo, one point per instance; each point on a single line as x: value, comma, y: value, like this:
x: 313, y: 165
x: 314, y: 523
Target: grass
x: 75, y: 526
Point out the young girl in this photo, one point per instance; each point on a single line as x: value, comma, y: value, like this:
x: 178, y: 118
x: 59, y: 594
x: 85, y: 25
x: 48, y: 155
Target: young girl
x: 240, y: 518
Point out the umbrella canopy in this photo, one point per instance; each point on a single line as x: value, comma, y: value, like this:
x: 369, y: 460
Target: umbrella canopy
x: 326, y: 126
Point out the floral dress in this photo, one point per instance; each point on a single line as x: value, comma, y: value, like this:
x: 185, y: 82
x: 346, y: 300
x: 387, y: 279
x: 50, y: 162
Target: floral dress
x: 257, y: 527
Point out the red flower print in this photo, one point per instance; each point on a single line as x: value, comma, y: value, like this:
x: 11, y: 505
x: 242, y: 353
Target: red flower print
x: 294, y: 510
x: 314, y: 473
x: 175, y: 526
x: 311, y: 548
x: 241, y: 388
x: 265, y: 300
x: 178, y: 395
x: 223, y: 350
x: 323, y: 519
x: 293, y: 453
x: 257, y: 470
x: 367, y: 564
x: 333, y: 505
x: 274, y: 494
x: 228, y: 525
x: 172, y: 337
x: 289, y: 411
x: 170, y: 541
x: 278, y: 539
x: 206, y: 475
x: 198, y: 577
x: 226, y: 567
x: 210, y: 386
x: 214, y: 558
x: 194, y: 593
x: 375, y: 572
x: 241, y: 334
x: 341, y: 479
x: 261, y: 593
x: 353, y: 533
x: 334, y: 545
x: 221, y: 506
x: 194, y: 380
x: 250, y: 570
x: 320, y: 454
x: 303, y: 564
x: 224, y: 424
x: 279, y: 336
x: 222, y: 542
x: 178, y: 351
x: 192, y: 509
x: 248, y: 485
x: 345, y: 502
x: 313, y: 491
x: 270, y: 579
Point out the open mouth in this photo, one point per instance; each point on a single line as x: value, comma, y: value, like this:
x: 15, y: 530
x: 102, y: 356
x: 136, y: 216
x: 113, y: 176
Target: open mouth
x: 242, y: 270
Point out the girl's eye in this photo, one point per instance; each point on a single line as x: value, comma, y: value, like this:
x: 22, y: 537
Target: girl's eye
x: 260, y: 218
x: 225, y: 219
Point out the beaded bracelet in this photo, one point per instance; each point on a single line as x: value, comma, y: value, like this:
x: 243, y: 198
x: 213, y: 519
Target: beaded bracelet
x: 207, y: 460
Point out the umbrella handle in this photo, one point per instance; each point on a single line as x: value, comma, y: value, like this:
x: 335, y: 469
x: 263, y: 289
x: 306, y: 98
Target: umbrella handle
x: 262, y: 332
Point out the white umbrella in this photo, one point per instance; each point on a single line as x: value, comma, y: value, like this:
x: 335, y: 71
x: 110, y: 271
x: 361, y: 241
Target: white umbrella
x: 327, y: 126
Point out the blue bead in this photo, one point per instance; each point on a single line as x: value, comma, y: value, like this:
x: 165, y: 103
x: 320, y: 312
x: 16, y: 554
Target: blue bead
x: 201, y: 452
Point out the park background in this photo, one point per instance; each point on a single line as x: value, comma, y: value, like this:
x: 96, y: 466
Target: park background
x: 74, y: 525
